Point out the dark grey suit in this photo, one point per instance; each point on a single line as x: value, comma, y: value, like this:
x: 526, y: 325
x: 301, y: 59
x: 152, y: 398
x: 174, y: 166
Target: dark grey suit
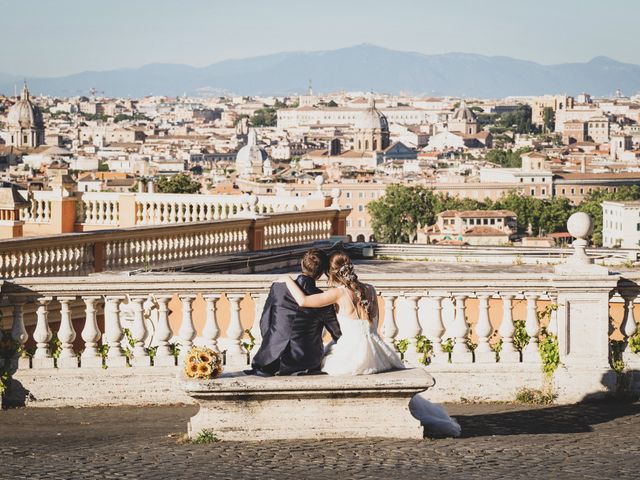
x: 292, y: 335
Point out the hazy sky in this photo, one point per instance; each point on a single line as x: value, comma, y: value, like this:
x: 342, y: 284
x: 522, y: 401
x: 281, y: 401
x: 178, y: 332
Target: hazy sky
x: 52, y: 38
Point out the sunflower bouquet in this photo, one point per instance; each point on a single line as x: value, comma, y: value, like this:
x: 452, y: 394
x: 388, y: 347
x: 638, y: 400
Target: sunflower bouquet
x: 202, y: 363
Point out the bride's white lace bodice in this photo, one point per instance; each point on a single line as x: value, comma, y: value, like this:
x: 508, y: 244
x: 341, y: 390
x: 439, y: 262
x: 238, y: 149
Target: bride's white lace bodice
x: 360, y: 350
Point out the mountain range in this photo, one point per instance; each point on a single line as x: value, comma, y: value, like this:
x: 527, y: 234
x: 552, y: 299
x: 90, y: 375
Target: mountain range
x: 358, y: 68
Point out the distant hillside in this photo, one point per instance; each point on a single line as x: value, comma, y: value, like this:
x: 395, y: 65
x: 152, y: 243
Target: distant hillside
x: 360, y: 68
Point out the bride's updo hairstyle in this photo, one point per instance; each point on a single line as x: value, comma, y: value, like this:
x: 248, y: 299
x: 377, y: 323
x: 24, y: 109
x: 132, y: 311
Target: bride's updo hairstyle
x: 341, y: 273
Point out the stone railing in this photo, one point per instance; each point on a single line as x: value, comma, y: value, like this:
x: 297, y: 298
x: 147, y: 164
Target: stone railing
x: 95, y: 210
x: 40, y: 208
x: 150, y: 246
x: 475, y: 325
x: 499, y: 254
x: 303, y: 227
x: 464, y: 317
x: 625, y: 327
x: 98, y: 208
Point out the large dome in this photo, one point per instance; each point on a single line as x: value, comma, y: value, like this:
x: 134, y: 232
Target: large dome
x: 251, y: 154
x: 25, y: 114
x: 372, y: 119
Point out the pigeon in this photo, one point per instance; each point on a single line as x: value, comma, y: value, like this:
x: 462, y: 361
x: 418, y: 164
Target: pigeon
x: 434, y: 418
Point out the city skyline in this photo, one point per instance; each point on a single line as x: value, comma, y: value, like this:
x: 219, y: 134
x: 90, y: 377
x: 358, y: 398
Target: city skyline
x: 205, y: 33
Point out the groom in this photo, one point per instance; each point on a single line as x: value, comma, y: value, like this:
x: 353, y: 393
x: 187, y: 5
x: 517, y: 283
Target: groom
x: 291, y: 335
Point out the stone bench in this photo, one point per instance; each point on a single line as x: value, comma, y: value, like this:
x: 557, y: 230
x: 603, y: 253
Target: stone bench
x: 240, y: 407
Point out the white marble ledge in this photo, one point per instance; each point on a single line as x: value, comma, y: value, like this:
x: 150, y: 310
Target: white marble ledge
x: 410, y: 380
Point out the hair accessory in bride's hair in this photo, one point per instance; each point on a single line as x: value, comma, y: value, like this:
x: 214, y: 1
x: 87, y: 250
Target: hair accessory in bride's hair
x: 363, y: 301
x: 346, y: 271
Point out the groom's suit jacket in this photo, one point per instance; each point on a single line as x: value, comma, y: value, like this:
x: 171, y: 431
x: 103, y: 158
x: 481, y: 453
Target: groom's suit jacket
x: 292, y: 335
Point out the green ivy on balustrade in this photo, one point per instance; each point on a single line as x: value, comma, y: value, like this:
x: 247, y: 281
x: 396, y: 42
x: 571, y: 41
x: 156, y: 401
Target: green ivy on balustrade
x: 547, y: 343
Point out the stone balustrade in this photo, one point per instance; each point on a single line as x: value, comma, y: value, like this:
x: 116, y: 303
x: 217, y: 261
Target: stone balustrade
x: 98, y: 208
x: 40, y: 208
x: 473, y: 324
x: 95, y: 210
x: 161, y: 245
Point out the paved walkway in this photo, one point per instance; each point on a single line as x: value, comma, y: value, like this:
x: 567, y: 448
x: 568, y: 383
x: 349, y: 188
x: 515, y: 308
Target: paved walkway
x: 500, y: 441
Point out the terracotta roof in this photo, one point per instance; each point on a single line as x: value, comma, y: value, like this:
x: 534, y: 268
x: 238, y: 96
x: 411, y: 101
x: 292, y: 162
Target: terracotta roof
x: 121, y: 182
x: 484, y: 231
x: 89, y: 177
x: 451, y: 242
x: 599, y: 176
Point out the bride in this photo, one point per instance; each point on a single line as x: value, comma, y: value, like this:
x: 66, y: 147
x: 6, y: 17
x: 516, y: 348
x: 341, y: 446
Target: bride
x: 360, y: 350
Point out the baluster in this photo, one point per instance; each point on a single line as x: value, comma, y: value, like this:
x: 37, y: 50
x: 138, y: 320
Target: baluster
x: 460, y: 331
x: 93, y: 219
x: 260, y: 300
x: 145, y: 212
x: 508, y: 353
x: 552, y: 327
x: 164, y: 357
x: 211, y: 330
x: 409, y: 326
x: 19, y: 332
x: 483, y: 353
x: 66, y: 335
x: 140, y: 357
x: 629, y: 327
x: 42, y: 335
x: 172, y: 212
x: 389, y: 328
x: 434, y: 329
x: 530, y: 353
x: 160, y: 215
x: 40, y: 215
x: 235, y: 357
x: 187, y: 331
x: 91, y: 335
x: 180, y: 207
x: 113, y: 332
x: 101, y: 213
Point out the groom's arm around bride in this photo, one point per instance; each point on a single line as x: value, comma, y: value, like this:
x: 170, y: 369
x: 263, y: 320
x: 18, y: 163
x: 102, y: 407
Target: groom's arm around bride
x: 292, y: 336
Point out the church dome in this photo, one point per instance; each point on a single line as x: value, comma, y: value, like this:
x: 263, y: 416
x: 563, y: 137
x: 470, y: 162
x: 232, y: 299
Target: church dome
x: 372, y: 119
x: 251, y: 155
x: 464, y: 113
x: 25, y: 114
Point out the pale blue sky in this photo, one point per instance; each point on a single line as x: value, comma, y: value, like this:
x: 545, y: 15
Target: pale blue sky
x: 52, y: 38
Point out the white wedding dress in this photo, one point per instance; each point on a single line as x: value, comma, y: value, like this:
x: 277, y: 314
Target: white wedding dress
x: 360, y: 350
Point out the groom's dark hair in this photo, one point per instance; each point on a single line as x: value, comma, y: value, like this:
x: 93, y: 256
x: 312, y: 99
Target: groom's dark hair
x: 314, y: 263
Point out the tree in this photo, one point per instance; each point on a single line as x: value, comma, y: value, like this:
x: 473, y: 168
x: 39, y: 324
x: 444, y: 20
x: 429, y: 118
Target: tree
x: 555, y: 213
x: 264, y: 117
x: 548, y: 119
x: 238, y: 119
x: 395, y: 216
x: 528, y: 209
x: 103, y: 167
x: 506, y: 158
x: 518, y: 120
x: 592, y: 204
x: 180, y: 183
